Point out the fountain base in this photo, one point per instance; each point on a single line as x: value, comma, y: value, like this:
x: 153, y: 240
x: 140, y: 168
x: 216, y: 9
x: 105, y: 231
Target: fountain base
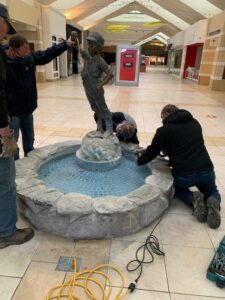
x: 99, y: 152
x: 80, y: 216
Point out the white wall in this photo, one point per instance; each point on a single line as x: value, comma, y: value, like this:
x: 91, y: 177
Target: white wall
x: 177, y: 40
x: 196, y: 33
x: 54, y: 24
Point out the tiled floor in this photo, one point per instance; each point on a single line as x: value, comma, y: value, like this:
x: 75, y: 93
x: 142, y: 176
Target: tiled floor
x: 27, y: 272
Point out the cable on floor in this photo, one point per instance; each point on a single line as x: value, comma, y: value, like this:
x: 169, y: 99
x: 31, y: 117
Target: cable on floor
x: 85, y: 280
x: 150, y: 246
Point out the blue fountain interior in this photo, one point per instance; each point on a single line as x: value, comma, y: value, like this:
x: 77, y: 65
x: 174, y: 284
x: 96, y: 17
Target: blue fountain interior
x: 63, y: 174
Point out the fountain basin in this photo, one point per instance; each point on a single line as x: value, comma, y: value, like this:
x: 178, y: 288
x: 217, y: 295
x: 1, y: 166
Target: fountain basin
x: 80, y: 216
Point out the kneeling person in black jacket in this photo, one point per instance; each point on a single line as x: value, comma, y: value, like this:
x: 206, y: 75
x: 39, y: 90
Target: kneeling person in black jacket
x: 21, y: 85
x: 182, y: 140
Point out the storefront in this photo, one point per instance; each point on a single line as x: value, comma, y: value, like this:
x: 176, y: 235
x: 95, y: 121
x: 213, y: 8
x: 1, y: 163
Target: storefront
x: 175, y: 53
x: 194, y: 38
x: 193, y: 61
x: 212, y: 71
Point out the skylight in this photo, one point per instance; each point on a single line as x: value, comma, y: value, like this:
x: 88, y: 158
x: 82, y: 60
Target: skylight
x: 165, y: 14
x: 109, y: 9
x: 141, y: 18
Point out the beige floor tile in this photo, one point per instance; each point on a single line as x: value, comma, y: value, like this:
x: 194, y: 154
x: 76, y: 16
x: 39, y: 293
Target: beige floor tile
x: 14, y: 260
x: 92, y: 252
x: 38, y: 280
x: 8, y: 286
x: 52, y: 247
x: 186, y: 271
x: 190, y: 297
x: 217, y: 235
x: 143, y: 295
x: 154, y: 275
x: 177, y: 206
x: 221, y: 185
x: 184, y: 230
x: 142, y: 235
x: 222, y: 204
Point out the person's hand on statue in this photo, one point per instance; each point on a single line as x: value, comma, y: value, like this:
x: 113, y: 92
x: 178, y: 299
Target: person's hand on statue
x: 72, y: 43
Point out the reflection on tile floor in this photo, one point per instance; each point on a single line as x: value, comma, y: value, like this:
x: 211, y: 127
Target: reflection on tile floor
x: 27, y: 272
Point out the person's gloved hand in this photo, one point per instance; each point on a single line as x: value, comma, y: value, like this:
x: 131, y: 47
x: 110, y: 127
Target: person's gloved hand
x: 8, y: 145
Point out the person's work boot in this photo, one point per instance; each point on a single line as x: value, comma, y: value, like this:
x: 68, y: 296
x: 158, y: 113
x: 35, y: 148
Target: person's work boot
x: 20, y: 236
x: 213, y: 217
x: 200, y: 210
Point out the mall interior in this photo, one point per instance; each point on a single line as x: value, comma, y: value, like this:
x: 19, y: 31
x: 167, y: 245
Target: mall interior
x: 180, y: 60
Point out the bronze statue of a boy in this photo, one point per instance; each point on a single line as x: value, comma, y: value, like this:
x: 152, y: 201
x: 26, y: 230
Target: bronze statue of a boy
x: 93, y: 81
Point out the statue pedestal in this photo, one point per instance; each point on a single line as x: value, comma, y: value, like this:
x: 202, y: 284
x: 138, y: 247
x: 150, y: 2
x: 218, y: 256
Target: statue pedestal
x: 99, y: 152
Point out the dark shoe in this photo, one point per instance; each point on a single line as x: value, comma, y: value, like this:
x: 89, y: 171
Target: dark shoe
x: 199, y: 207
x: 213, y: 218
x: 20, y: 236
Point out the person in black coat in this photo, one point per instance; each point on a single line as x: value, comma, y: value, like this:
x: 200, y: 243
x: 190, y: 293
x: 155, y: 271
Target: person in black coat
x: 9, y: 233
x: 181, y: 139
x: 21, y: 85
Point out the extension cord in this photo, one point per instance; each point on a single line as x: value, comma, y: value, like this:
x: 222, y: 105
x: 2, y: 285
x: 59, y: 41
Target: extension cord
x: 82, y: 280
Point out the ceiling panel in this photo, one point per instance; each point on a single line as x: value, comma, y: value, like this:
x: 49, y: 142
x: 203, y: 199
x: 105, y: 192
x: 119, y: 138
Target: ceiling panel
x: 203, y: 7
x: 174, y: 15
x: 181, y: 10
x: 218, y: 3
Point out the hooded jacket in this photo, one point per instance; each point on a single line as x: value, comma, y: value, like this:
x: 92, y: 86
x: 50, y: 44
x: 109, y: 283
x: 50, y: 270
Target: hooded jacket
x: 21, y: 80
x: 181, y: 139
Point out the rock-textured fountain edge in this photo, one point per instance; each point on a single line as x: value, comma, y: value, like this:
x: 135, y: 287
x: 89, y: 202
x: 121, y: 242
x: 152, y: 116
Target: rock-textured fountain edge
x: 79, y: 216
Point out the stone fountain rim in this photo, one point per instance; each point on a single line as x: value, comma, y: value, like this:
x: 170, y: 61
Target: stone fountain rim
x: 35, y: 193
x: 27, y: 171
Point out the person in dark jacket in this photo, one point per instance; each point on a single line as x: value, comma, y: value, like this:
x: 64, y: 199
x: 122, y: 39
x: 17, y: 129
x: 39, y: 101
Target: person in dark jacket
x: 181, y: 139
x: 124, y: 126
x: 21, y: 85
x: 9, y: 233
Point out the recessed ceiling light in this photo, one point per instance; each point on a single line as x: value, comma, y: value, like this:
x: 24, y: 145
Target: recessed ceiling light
x: 134, y: 12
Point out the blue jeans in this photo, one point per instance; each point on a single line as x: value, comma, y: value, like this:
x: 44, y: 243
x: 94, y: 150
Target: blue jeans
x: 24, y: 123
x: 8, y: 214
x: 205, y: 182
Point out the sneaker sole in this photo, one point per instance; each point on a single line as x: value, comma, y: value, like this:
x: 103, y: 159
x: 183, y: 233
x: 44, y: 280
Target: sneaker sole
x: 214, y: 222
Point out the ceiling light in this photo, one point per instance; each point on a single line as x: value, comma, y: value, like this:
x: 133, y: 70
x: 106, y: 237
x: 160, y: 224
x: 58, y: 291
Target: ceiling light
x: 134, y: 12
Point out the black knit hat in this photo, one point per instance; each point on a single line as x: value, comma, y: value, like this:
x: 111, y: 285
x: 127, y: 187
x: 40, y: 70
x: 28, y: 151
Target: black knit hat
x: 5, y: 15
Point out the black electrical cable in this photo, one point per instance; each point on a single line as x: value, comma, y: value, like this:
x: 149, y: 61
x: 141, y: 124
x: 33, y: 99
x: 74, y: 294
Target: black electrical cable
x: 150, y: 246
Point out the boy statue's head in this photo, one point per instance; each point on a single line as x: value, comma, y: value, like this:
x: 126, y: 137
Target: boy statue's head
x: 95, y: 43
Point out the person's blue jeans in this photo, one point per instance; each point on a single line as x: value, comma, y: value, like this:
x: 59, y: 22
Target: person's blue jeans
x: 8, y: 213
x: 205, y: 182
x: 24, y: 123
